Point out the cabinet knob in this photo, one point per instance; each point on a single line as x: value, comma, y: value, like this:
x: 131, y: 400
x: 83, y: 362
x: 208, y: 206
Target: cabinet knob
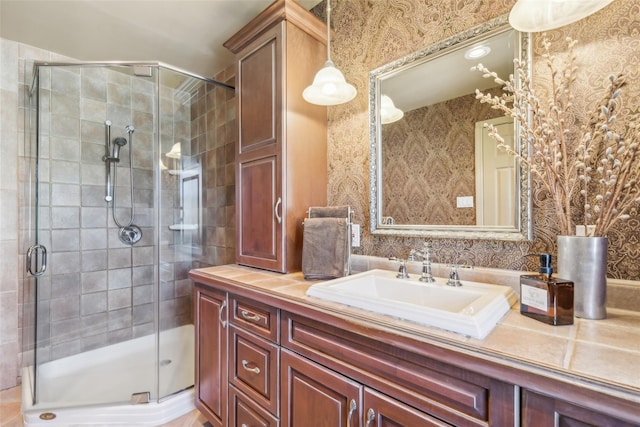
x: 245, y: 365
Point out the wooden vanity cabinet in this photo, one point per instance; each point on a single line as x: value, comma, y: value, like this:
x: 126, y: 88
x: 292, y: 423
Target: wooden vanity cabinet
x: 278, y: 363
x: 315, y: 396
x: 398, y: 388
x: 211, y: 383
x: 281, y: 152
x: 540, y: 410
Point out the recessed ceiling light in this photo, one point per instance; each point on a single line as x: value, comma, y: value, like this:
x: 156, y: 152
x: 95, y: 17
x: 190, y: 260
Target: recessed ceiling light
x: 477, y: 52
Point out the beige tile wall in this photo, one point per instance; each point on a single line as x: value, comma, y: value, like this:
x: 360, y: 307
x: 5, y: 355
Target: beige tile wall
x: 10, y: 134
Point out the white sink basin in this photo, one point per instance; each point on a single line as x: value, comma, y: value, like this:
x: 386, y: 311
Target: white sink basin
x: 472, y: 309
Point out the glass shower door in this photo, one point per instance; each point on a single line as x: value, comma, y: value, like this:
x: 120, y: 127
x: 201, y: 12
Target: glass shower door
x: 197, y: 208
x: 181, y: 226
x: 94, y: 332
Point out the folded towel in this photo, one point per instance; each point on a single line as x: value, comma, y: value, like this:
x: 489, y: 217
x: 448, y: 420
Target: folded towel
x: 324, y: 248
x: 329, y: 212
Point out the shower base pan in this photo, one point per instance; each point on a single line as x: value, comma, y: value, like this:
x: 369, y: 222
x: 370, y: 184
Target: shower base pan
x: 73, y: 390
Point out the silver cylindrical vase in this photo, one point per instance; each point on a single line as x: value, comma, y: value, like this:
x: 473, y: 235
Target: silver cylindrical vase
x: 583, y: 260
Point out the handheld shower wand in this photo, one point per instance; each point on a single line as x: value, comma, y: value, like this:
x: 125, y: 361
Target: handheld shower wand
x: 118, y: 143
x: 129, y: 233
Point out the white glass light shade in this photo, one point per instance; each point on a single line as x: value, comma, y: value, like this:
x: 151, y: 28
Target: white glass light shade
x: 532, y: 16
x: 329, y: 87
x: 389, y: 113
x: 176, y: 151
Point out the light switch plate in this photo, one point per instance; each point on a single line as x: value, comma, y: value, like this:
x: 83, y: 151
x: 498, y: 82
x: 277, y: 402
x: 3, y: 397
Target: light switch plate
x: 355, y: 235
x: 464, y: 202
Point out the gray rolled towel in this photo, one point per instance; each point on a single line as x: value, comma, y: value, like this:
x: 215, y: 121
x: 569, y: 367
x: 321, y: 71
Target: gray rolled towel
x: 329, y: 212
x: 324, y: 248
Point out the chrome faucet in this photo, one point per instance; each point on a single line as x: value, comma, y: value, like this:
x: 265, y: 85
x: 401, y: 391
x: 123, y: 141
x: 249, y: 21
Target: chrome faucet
x: 425, y: 254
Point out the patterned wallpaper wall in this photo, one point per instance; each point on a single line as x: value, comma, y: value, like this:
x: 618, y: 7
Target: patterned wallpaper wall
x: 429, y: 160
x: 371, y: 33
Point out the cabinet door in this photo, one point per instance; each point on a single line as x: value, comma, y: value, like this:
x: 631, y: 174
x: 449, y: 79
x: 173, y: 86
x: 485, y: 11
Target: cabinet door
x: 259, y: 214
x: 314, y: 396
x: 259, y: 93
x: 543, y: 411
x: 383, y: 411
x: 211, y: 355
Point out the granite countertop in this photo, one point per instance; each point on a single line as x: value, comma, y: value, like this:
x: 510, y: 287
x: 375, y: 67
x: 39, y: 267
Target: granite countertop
x: 600, y: 354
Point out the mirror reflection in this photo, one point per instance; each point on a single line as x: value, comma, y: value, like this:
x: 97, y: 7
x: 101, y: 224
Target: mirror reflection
x: 435, y: 171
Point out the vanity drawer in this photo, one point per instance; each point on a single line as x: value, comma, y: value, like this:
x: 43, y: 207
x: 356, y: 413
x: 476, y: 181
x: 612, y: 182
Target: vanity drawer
x: 261, y: 319
x: 254, y: 367
x: 243, y: 412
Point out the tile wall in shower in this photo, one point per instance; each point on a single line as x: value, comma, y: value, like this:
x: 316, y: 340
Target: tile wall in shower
x: 98, y: 290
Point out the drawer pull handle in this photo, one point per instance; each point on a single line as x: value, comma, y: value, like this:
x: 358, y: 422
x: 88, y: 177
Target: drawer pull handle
x: 352, y: 409
x: 245, y: 365
x: 249, y: 316
x: 244, y: 425
x: 222, y: 321
x: 371, y: 416
x: 276, y: 208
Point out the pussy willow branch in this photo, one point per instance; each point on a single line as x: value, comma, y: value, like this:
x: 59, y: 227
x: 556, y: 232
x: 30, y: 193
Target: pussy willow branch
x: 604, y: 162
x: 545, y: 132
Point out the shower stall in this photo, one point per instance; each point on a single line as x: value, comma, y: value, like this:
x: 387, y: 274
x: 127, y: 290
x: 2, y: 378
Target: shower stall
x: 127, y: 184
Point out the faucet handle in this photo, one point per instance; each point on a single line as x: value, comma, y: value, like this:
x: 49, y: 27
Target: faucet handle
x: 402, y: 270
x: 454, y: 279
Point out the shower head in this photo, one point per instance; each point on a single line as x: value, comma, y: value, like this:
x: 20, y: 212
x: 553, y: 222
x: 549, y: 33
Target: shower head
x: 118, y: 142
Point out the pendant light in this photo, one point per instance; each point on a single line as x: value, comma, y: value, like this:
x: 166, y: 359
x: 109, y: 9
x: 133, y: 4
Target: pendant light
x: 532, y: 16
x: 329, y: 86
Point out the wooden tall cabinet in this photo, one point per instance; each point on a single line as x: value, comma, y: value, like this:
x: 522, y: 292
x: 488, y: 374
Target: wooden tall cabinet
x: 281, y: 151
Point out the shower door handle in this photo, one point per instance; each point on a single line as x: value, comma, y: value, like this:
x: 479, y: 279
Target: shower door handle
x: 43, y: 264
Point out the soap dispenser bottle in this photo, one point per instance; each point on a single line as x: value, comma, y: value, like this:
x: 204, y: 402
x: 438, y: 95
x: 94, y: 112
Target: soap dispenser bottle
x: 545, y: 298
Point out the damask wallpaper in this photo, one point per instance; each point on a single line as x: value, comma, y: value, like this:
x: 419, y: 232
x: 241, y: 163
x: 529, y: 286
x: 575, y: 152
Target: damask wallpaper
x: 429, y: 160
x: 370, y: 33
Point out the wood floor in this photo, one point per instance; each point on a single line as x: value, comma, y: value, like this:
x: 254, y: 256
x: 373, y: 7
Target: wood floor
x: 10, y: 412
